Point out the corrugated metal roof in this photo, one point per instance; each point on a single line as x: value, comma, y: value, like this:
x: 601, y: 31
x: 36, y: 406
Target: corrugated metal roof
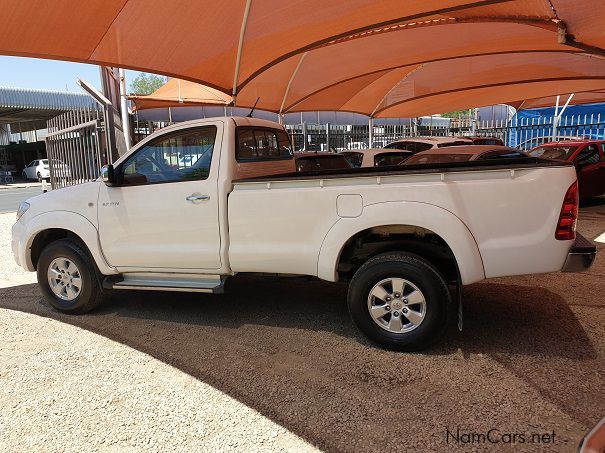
x: 28, y: 98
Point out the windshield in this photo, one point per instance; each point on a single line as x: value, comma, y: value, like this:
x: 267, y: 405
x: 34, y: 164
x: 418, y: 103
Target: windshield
x: 487, y: 141
x: 409, y: 146
x: 386, y: 159
x: 553, y: 152
x: 436, y: 159
x: 315, y: 163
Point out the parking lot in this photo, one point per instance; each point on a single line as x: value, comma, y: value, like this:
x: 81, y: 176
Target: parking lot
x: 276, y: 364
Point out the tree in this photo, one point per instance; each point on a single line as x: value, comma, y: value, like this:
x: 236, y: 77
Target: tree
x: 456, y: 114
x: 146, y: 83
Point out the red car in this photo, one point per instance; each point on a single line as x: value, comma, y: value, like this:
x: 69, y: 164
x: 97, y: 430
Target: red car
x: 587, y: 156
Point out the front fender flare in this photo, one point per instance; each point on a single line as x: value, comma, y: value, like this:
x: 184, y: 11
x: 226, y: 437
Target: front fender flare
x: 70, y: 221
x: 440, y: 221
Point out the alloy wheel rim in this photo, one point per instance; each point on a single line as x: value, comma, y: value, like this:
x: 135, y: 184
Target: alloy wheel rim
x: 396, y: 305
x: 64, y: 279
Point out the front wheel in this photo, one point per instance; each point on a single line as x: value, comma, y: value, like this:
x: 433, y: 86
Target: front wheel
x: 400, y: 301
x: 39, y: 177
x: 67, y: 278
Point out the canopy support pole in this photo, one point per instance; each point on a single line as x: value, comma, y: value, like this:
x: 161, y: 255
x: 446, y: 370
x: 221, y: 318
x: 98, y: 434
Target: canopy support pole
x: 240, y: 45
x: 124, y: 109
x: 557, y: 118
x: 371, y: 132
x: 283, y: 101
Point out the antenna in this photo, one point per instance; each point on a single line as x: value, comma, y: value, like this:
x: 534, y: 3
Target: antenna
x: 249, y: 115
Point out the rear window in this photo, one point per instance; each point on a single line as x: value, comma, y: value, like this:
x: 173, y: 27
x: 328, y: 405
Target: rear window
x: 355, y: 159
x: 415, y: 147
x: 317, y: 163
x: 437, y: 159
x: 553, y: 152
x: 386, y: 159
x: 457, y: 143
x: 256, y: 144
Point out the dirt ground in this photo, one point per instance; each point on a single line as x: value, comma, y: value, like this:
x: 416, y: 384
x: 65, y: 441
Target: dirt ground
x: 276, y: 364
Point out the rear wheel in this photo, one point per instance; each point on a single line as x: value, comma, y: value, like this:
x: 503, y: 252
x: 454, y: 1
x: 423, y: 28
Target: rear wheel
x: 67, y: 278
x: 400, y: 301
x: 24, y: 176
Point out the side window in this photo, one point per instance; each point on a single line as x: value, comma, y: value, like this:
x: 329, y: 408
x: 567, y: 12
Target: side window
x: 255, y: 143
x: 589, y: 155
x: 182, y: 156
x: 31, y: 164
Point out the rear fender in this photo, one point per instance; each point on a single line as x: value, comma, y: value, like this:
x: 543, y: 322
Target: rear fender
x: 440, y: 221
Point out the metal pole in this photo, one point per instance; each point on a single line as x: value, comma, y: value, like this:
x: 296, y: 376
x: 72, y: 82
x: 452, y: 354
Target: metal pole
x: 370, y: 132
x: 475, y: 119
x: 124, y: 109
x: 304, y: 131
x: 555, y: 120
x: 328, y: 137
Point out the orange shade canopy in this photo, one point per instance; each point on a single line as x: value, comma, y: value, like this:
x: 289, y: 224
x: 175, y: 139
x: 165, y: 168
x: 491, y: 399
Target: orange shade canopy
x: 318, y: 55
x: 180, y: 93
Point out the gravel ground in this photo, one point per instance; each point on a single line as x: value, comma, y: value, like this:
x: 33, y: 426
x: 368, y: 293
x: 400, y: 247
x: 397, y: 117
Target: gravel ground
x: 156, y: 369
x: 65, y: 388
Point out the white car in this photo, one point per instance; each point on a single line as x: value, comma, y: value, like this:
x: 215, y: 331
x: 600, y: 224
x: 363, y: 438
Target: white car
x: 404, y: 239
x: 36, y: 170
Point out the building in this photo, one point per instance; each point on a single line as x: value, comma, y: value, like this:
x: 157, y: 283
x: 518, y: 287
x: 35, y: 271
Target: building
x: 23, y: 116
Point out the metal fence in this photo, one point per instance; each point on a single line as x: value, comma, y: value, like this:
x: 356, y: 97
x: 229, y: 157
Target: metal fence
x: 523, y: 133
x: 74, y: 146
x: 314, y: 137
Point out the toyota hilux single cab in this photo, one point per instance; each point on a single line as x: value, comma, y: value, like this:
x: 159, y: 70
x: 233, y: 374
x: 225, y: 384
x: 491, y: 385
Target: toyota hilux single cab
x: 404, y: 239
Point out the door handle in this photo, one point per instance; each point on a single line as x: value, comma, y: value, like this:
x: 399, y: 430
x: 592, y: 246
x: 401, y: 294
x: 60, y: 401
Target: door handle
x: 198, y: 197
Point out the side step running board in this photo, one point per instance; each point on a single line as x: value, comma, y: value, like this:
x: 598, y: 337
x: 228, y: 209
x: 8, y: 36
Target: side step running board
x: 166, y: 282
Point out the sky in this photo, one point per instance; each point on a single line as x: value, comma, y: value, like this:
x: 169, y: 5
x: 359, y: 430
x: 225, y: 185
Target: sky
x: 20, y: 72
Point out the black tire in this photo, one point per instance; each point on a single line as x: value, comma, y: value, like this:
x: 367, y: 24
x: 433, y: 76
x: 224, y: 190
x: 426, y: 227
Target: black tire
x: 39, y: 177
x: 90, y: 295
x: 421, y: 274
x: 24, y: 176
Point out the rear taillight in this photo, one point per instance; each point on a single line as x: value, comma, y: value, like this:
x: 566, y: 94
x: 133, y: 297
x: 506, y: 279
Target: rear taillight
x: 566, y: 228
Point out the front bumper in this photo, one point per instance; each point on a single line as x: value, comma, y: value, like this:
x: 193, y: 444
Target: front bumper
x: 581, y: 255
x: 18, y: 245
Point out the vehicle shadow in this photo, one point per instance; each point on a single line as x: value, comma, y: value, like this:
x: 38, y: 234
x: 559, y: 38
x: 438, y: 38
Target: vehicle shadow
x: 287, y: 349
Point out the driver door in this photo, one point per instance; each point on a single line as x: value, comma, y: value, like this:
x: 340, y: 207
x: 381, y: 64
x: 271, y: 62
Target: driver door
x: 164, y: 212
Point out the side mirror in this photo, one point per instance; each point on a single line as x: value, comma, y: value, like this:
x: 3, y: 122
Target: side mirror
x: 107, y: 175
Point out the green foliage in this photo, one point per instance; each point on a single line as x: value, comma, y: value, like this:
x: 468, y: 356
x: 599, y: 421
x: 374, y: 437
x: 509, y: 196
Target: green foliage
x: 146, y: 83
x: 456, y: 114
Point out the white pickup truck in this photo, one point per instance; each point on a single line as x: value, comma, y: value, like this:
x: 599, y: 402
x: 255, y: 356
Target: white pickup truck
x: 403, y: 238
